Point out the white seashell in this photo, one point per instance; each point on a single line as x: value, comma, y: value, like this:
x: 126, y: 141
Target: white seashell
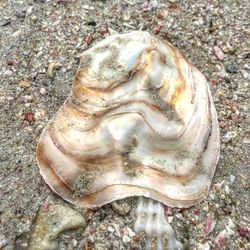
x: 151, y: 219
x: 139, y: 121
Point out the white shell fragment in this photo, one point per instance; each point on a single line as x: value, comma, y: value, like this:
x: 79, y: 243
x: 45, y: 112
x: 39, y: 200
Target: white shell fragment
x: 139, y: 121
x: 151, y: 220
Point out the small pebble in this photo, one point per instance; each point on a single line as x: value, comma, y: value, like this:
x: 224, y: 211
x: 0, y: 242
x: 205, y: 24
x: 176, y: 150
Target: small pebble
x: 122, y: 208
x: 246, y: 66
x: 218, y: 53
x: 29, y: 10
x: 27, y: 105
x: 130, y: 232
x: 20, y: 13
x: 222, y: 196
x: 117, y: 230
x: 209, y: 225
x: 221, y: 238
x: 52, y: 69
x: 244, y: 231
x: 2, y: 99
x: 212, y: 196
x: 126, y: 239
x: 229, y: 136
x: 50, y: 224
x: 24, y: 84
x: 170, y: 219
x: 180, y: 217
x: 39, y: 114
x: 103, y: 227
x: 74, y: 242
x: 246, y: 75
x: 46, y: 206
x: 42, y: 91
x: 146, y: 7
x: 17, y: 33
x: 232, y: 68
x: 25, y: 52
x: 228, y: 49
x: 10, y: 98
x: 227, y: 190
x: 3, y: 243
x: 111, y: 229
x: 7, y: 73
x: 27, y: 98
x: 34, y: 17
x: 232, y: 178
x: 204, y: 246
x: 29, y: 117
x: 89, y: 39
x: 230, y: 224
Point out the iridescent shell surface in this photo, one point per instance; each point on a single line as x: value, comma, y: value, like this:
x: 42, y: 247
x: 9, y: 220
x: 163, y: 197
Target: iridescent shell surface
x: 139, y: 121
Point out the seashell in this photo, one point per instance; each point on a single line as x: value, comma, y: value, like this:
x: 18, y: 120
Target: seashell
x: 139, y: 121
x: 151, y: 219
